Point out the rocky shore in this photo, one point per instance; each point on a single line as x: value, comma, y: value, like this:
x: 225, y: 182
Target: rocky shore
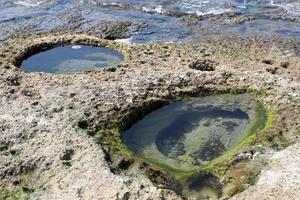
x: 48, y: 123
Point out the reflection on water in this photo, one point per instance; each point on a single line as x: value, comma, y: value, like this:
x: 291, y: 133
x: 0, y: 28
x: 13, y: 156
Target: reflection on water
x: 68, y: 59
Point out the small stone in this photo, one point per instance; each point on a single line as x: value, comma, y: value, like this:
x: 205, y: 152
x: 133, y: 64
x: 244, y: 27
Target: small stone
x: 66, y: 154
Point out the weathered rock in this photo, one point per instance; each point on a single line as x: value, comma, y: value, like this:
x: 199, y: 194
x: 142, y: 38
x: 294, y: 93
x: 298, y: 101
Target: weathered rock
x: 37, y: 133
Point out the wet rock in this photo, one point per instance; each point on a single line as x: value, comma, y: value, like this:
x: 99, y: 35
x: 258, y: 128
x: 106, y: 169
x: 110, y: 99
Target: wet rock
x: 124, y: 163
x: 118, y: 30
x: 280, y: 13
x: 157, y: 176
x: 208, y: 179
x: 231, y: 17
x: 190, y: 20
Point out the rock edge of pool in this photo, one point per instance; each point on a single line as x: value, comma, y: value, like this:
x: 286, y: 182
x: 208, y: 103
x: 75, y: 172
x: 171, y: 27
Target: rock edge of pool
x: 58, y: 127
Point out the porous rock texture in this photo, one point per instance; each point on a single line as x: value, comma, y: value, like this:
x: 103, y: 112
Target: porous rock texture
x: 280, y: 180
x: 40, y: 113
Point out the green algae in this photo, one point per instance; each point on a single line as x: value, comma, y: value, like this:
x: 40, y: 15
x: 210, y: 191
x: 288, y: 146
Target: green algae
x: 215, y: 168
x: 264, y: 119
x: 23, y: 189
x: 147, y: 138
x: 236, y: 91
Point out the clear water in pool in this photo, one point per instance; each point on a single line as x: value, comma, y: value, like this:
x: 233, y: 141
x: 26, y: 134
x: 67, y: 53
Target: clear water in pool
x: 72, y: 58
x: 185, y: 135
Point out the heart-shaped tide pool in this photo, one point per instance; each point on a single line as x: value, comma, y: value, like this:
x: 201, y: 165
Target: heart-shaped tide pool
x: 187, y: 134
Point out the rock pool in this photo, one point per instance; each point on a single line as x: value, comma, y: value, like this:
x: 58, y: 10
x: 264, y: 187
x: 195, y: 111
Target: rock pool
x: 188, y: 134
x: 72, y: 58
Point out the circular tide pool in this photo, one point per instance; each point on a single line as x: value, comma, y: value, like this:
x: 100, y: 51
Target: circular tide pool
x: 185, y: 135
x: 72, y: 58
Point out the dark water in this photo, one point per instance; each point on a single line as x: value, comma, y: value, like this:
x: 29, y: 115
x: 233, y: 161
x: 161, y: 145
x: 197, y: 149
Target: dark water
x: 161, y: 18
x: 186, y: 135
x: 69, y: 59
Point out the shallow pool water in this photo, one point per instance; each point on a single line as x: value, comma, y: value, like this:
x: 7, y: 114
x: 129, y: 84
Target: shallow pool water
x: 188, y: 134
x: 72, y: 58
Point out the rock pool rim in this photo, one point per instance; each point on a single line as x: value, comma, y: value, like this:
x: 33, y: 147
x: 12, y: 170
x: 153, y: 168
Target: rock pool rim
x: 117, y: 126
x: 110, y: 134
x: 41, y: 44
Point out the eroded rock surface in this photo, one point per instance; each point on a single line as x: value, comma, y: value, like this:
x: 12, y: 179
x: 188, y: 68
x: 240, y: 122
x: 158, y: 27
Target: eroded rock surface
x: 280, y: 180
x: 40, y: 113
